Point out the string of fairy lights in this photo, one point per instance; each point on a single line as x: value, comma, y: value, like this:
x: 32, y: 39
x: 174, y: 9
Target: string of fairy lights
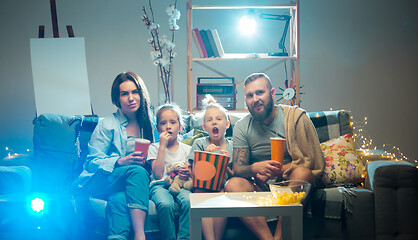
x: 10, y: 153
x: 365, y: 144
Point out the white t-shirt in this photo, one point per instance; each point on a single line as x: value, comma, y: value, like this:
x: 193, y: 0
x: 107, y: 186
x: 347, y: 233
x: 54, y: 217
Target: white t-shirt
x: 170, y: 157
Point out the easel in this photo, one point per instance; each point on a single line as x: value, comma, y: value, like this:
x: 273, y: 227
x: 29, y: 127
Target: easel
x: 41, y: 32
x: 70, y: 31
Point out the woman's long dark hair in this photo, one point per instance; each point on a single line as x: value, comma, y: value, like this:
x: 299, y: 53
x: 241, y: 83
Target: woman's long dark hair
x: 143, y: 114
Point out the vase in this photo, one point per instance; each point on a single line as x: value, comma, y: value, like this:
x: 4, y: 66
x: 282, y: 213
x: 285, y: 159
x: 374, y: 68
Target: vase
x: 165, y: 93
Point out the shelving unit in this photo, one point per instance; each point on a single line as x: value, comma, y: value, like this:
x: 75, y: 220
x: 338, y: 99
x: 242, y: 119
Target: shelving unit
x: 293, y: 58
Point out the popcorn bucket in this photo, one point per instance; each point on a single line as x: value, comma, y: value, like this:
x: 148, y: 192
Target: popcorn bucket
x: 209, y: 170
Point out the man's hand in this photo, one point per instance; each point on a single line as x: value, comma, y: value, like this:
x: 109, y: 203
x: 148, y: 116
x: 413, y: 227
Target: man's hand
x: 261, y: 179
x: 135, y: 158
x: 268, y: 168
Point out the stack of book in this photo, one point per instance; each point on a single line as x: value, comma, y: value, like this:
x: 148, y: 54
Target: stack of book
x: 208, y: 43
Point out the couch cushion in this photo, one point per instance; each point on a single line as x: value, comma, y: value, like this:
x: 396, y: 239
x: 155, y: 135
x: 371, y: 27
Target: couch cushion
x: 58, y: 141
x: 360, y: 221
x: 331, y: 124
x: 340, y: 213
x: 396, y: 195
x: 15, y: 179
x: 54, y: 151
x: 373, y: 166
x: 191, y: 136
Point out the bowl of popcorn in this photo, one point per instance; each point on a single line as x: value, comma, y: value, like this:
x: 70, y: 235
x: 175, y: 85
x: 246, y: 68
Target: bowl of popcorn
x: 289, y: 192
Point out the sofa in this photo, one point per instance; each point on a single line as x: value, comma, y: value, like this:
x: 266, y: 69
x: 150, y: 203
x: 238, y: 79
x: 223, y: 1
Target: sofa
x: 381, y: 206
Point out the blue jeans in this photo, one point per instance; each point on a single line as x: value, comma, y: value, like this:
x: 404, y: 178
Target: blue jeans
x: 164, y: 201
x: 126, y: 187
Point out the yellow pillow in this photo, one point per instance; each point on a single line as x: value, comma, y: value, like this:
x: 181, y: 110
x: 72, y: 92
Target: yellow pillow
x: 196, y: 134
x: 343, y: 165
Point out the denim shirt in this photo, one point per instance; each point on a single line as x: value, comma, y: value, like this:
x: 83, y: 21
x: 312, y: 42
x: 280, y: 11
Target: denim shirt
x: 107, y: 144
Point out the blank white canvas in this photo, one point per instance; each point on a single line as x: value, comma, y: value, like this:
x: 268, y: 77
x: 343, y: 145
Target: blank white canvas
x: 60, y: 79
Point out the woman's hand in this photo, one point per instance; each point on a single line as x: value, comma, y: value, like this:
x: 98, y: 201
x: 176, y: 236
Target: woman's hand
x: 135, y: 158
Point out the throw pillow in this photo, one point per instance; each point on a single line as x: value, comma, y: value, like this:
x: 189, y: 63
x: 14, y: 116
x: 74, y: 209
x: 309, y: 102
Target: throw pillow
x: 196, y: 134
x: 343, y: 165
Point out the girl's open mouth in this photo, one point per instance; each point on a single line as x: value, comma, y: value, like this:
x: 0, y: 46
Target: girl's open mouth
x: 215, y: 130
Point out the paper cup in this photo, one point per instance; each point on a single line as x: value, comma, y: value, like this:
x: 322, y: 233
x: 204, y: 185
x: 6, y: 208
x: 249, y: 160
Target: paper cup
x: 277, y: 148
x: 209, y: 170
x: 141, y: 145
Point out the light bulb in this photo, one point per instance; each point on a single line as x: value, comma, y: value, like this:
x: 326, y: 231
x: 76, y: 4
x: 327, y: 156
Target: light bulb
x: 247, y: 25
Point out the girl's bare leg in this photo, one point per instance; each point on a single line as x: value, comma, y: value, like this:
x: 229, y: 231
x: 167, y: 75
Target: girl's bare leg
x: 278, y: 232
x: 212, y: 228
x: 219, y: 224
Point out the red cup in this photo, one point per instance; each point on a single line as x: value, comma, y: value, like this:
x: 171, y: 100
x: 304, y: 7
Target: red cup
x: 141, y: 145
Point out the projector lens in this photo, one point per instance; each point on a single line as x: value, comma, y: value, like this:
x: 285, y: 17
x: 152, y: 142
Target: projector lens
x: 37, y: 205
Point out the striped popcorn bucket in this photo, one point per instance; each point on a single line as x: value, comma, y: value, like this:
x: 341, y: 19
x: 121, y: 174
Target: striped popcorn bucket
x: 209, y: 170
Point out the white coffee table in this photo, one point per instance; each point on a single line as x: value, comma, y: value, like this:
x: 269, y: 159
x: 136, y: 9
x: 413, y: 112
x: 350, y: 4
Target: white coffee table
x: 241, y: 205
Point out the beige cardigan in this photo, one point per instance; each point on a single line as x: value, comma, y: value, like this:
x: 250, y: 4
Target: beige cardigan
x: 302, y: 141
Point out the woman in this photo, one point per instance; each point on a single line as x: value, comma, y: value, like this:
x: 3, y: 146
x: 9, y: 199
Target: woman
x: 113, y: 170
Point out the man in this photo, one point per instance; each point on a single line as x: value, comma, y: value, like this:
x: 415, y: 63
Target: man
x: 303, y: 159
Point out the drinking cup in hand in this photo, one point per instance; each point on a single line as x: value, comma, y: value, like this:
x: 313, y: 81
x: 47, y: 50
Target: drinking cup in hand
x: 141, y: 145
x: 277, y: 148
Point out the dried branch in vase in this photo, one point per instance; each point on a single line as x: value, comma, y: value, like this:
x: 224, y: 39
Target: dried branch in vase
x: 163, y: 53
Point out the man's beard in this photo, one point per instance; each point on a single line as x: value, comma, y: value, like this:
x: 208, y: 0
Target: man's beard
x: 261, y: 116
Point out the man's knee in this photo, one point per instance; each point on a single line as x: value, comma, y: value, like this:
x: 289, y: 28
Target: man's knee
x: 302, y: 173
x: 238, y: 184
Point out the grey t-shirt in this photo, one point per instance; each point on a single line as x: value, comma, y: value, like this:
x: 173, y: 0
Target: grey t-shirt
x: 254, y: 135
x: 130, y: 144
x: 201, y: 144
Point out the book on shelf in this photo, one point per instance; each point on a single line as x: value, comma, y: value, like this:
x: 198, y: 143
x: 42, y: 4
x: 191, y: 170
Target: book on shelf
x: 212, y: 43
x: 206, y: 42
x: 199, y: 44
x: 218, y: 43
x: 196, y: 41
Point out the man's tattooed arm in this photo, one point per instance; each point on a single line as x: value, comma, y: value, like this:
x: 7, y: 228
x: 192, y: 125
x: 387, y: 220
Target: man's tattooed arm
x: 241, y: 163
